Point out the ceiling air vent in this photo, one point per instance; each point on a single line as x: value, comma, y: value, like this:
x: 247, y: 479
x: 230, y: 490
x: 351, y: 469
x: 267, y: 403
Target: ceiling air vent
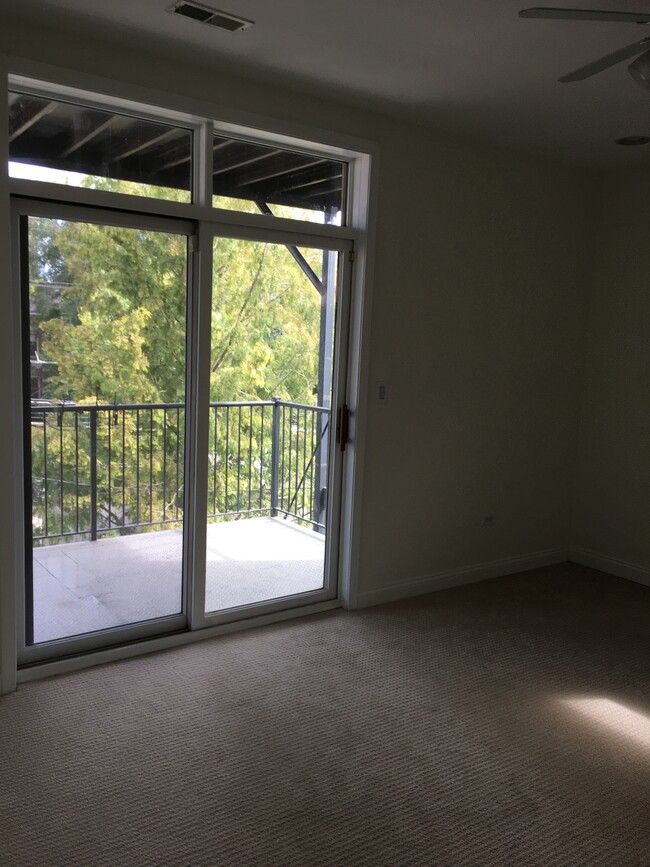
x: 206, y: 15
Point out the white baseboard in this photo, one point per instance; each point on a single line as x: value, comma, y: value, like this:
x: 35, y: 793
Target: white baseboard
x: 610, y: 564
x: 456, y: 577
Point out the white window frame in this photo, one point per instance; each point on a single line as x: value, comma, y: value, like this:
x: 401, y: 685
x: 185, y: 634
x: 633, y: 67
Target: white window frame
x: 358, y: 233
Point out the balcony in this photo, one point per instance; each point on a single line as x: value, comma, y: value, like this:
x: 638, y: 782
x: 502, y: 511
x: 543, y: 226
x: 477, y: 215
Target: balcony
x: 108, y: 502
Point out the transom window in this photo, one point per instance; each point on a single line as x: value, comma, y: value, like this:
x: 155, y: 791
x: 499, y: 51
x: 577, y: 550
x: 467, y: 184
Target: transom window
x: 258, y: 178
x: 61, y: 142
x: 84, y: 146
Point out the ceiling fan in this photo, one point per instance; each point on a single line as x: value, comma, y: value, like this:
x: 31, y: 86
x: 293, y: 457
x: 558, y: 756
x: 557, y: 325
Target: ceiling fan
x: 639, y: 69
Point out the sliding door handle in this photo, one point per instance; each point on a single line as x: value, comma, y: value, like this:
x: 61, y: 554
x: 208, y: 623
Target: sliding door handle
x: 342, y: 421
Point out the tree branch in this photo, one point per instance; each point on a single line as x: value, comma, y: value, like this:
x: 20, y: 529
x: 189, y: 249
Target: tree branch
x: 219, y: 360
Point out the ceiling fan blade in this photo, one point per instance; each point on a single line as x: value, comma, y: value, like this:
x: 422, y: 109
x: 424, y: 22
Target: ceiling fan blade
x: 607, y: 61
x: 585, y: 15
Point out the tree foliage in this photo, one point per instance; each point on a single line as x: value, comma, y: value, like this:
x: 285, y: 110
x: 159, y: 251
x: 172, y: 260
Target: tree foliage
x: 116, y: 331
x: 108, y: 313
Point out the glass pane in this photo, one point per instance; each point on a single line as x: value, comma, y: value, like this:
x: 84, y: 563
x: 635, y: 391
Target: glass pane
x: 64, y: 143
x: 254, y: 179
x: 107, y: 420
x: 270, y: 421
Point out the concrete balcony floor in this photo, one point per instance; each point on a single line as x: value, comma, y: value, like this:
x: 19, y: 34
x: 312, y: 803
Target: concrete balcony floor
x: 82, y: 587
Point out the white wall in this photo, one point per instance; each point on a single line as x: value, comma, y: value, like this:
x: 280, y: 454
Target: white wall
x: 612, y: 489
x: 477, y: 332
x: 476, y: 328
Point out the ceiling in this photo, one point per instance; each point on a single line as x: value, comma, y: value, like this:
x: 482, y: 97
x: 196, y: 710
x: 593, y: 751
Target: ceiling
x: 470, y: 67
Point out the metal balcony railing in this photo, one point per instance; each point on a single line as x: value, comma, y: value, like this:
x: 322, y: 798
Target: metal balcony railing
x: 119, y: 469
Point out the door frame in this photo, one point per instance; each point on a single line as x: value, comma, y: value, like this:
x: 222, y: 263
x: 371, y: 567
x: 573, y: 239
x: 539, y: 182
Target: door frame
x: 205, y: 115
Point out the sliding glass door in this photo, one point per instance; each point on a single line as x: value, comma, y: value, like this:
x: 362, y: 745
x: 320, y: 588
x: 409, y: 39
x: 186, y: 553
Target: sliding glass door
x: 273, y: 322
x: 105, y: 302
x: 169, y: 487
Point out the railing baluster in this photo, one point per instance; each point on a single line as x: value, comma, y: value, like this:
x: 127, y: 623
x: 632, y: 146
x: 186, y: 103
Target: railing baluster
x: 297, y: 426
x: 93, y: 475
x: 165, y: 464
x: 123, y: 467
x: 299, y: 436
x: 227, y: 454
x: 250, y: 453
x: 137, y: 466
x: 283, y: 447
x: 314, y: 415
x: 261, y: 500
x: 238, y: 458
x: 61, y: 470
x: 215, y: 459
x: 110, y: 478
x: 275, y: 457
x: 178, y: 463
x: 45, y: 485
x: 304, y: 458
x: 151, y: 466
x: 76, y: 467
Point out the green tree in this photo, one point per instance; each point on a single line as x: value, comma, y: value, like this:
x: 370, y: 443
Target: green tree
x: 126, y: 343
x: 117, y: 329
x: 113, y: 326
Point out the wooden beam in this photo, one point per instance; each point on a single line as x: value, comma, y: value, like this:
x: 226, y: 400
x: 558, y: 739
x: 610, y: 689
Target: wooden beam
x: 156, y: 140
x: 258, y: 178
x: 179, y: 162
x: 332, y: 188
x: 34, y: 119
x: 247, y: 162
x: 91, y: 135
x: 313, y: 183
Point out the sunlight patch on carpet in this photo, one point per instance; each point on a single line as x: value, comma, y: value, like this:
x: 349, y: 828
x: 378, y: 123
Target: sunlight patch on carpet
x: 614, y: 716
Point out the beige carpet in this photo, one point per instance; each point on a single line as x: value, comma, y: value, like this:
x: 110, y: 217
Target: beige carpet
x: 504, y: 723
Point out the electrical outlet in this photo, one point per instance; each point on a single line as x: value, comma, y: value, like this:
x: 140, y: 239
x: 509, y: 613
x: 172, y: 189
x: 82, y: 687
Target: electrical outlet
x: 487, y: 520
